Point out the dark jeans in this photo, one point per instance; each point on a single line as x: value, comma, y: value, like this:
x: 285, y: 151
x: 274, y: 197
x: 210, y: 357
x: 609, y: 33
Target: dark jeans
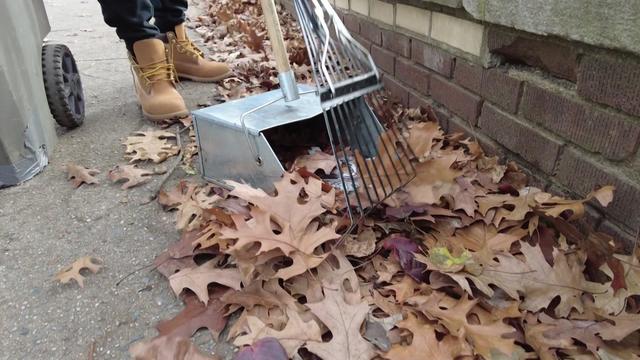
x: 131, y: 18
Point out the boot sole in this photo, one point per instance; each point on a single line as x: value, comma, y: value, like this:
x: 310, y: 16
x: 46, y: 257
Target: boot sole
x: 204, y: 79
x: 175, y: 115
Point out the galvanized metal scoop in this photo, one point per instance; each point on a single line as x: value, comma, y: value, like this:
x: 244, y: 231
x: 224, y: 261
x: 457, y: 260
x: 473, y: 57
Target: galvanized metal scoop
x: 231, y: 136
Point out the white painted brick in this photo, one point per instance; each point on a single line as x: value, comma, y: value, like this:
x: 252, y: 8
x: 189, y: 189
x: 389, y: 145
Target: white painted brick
x: 360, y: 6
x: 382, y: 11
x: 344, y: 4
x: 459, y: 33
x: 413, y: 18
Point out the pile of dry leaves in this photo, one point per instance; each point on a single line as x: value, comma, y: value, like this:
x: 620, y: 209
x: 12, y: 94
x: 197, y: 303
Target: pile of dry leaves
x: 467, y: 261
x: 234, y: 33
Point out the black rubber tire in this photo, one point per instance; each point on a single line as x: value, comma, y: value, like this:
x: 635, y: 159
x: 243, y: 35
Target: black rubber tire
x: 62, y: 85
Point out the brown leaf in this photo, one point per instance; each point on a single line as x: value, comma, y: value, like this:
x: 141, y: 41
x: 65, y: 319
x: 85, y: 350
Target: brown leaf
x: 81, y: 175
x: 426, y: 345
x: 294, y: 335
x: 434, y: 178
x: 421, y: 137
x: 196, y: 315
x: 344, y: 321
x: 487, y: 338
x: 131, y: 174
x: 73, y: 271
x: 317, y: 160
x: 151, y: 145
x: 197, y: 279
x: 167, y: 348
x: 362, y: 245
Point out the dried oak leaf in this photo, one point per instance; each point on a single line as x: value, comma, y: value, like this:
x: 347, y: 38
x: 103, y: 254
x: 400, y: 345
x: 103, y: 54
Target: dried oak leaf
x: 550, y: 334
x: 294, y: 335
x: 317, y: 160
x: 488, y: 338
x: 131, y: 173
x: 196, y: 315
x: 197, y: 279
x: 151, y: 145
x: 421, y: 137
x: 612, y: 300
x: 167, y: 348
x: 434, y: 178
x: 344, y: 321
x: 81, y: 175
x: 73, y: 271
x: 426, y: 345
x: 361, y: 245
x: 296, y: 218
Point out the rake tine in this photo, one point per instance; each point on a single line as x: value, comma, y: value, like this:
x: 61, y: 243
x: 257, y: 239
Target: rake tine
x: 346, y: 159
x: 359, y: 147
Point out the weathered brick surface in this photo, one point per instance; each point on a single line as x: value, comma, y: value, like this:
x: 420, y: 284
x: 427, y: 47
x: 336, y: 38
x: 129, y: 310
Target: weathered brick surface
x: 413, y: 75
x: 468, y: 75
x: 371, y: 32
x: 396, y: 42
x: 594, y: 129
x: 352, y: 23
x: 531, y: 144
x: 460, y: 101
x: 364, y: 42
x: 396, y: 90
x: 557, y: 58
x: 432, y: 57
x: 581, y: 174
x: 614, y: 81
x: 384, y: 59
x: 501, y: 89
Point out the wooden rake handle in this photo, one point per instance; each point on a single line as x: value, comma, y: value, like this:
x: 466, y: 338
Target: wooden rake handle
x: 275, y: 35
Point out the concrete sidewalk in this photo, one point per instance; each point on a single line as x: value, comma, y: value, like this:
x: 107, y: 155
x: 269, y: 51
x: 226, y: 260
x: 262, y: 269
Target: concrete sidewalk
x: 46, y: 223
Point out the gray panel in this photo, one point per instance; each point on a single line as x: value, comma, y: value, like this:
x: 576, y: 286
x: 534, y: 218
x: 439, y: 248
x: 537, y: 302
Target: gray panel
x: 225, y: 153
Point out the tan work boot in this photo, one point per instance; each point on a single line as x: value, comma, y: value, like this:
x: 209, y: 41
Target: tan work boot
x: 154, y: 79
x: 189, y: 60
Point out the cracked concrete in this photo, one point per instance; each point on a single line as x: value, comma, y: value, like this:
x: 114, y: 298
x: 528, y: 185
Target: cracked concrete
x: 45, y: 223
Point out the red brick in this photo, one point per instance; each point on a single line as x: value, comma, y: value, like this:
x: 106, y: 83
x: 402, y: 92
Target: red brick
x: 614, y: 81
x: 460, y: 101
x: 432, y: 57
x: 595, y: 129
x: 396, y: 91
x: 371, y: 32
x: 501, y: 89
x: 468, y: 75
x: 531, y: 144
x: 413, y: 75
x: 352, y: 23
x: 396, y: 42
x: 364, y: 42
x: 581, y: 174
x: 384, y: 59
x: 560, y: 59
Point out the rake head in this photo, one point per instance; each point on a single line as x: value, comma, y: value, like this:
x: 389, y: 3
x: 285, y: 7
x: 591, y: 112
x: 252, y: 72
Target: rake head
x: 373, y: 160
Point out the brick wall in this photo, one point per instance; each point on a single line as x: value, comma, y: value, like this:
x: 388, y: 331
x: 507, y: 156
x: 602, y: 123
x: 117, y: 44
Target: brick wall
x: 569, y: 113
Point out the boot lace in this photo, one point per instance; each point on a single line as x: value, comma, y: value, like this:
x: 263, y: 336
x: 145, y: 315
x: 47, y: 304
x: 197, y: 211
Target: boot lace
x: 187, y: 46
x: 154, y: 72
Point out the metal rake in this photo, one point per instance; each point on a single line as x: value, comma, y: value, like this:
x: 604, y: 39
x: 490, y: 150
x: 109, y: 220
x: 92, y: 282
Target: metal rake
x: 373, y: 160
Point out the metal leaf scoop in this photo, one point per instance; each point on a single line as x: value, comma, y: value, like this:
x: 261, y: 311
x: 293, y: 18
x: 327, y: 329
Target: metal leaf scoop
x: 373, y: 162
